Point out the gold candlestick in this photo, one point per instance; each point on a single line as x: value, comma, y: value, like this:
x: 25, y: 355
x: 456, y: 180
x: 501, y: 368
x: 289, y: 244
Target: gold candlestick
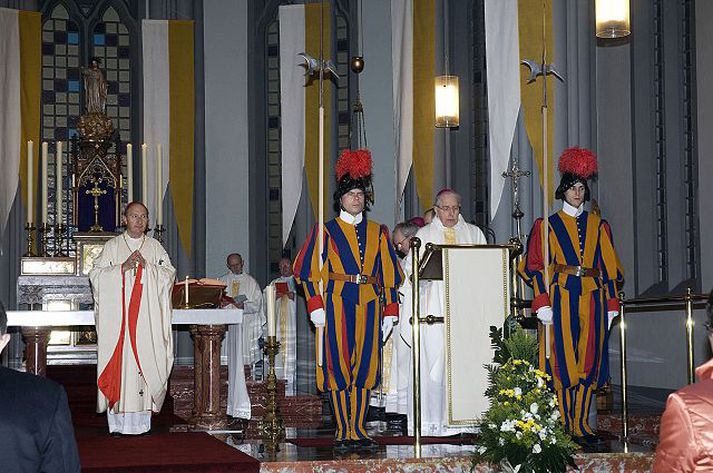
x: 44, y: 238
x: 158, y: 233
x: 30, y: 239
x: 273, y: 430
x: 60, y: 233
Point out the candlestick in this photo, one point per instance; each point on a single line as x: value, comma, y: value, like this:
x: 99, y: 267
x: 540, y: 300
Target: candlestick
x: 58, y: 182
x: 129, y: 173
x: 159, y: 184
x: 271, y: 319
x: 45, y: 151
x: 30, y: 194
x: 30, y: 228
x: 185, y: 291
x: 272, y: 426
x: 145, y: 174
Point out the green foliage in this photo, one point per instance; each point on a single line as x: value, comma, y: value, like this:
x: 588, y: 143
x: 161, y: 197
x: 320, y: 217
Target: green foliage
x: 518, y: 345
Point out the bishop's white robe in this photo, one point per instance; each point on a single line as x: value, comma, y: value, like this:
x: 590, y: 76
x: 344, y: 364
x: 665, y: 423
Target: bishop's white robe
x: 397, y: 394
x: 434, y: 415
x: 134, y: 338
x: 286, y: 313
x: 242, y: 340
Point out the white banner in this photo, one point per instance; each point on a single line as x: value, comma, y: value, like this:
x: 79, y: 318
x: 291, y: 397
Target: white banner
x: 502, y: 57
x: 157, y: 109
x: 402, y: 63
x: 10, y: 114
x: 292, y: 106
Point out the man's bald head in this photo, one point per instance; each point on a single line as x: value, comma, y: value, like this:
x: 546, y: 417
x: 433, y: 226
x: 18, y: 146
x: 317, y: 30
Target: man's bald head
x: 235, y: 263
x: 136, y: 219
x: 133, y: 205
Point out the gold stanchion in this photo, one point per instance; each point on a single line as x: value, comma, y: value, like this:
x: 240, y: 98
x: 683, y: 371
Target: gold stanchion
x: 273, y: 430
x: 624, y: 393
x: 689, y: 336
x: 416, y: 345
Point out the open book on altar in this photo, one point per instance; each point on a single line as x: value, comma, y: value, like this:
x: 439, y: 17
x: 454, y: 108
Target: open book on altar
x: 204, y: 293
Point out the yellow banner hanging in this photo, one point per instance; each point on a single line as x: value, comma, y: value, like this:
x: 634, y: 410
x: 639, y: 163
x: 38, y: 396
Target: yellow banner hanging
x: 424, y: 101
x: 530, y: 20
x: 182, y: 127
x: 30, y: 28
x: 312, y: 36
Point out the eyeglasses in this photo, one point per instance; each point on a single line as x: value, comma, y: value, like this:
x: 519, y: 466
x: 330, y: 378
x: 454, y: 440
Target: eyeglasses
x: 449, y: 209
x: 397, y: 244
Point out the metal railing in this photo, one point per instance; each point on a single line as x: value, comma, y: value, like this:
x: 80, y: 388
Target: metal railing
x: 658, y: 304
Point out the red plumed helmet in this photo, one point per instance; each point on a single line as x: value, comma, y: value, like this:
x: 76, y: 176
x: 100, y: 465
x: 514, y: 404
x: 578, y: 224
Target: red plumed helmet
x: 355, y: 164
x: 578, y: 161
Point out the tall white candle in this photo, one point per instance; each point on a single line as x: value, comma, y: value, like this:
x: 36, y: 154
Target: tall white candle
x: 59, y: 184
x: 45, y: 151
x: 129, y: 173
x: 185, y: 290
x: 145, y: 174
x: 271, y: 318
x: 159, y: 184
x: 30, y: 171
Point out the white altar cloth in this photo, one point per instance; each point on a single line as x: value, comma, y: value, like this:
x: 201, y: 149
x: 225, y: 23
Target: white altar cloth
x: 68, y: 318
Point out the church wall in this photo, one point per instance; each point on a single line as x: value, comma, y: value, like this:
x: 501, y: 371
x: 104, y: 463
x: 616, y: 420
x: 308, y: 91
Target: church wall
x: 226, y: 135
x: 641, y: 142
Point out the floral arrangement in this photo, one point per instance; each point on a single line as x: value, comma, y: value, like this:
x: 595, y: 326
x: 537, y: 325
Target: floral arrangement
x: 521, y: 431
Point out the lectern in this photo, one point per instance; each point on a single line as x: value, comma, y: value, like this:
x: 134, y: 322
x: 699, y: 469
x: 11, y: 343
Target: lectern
x: 477, y: 294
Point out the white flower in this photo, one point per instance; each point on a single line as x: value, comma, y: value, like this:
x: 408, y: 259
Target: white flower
x: 518, y: 391
x: 534, y: 407
x: 540, y: 382
x: 536, y: 448
x: 501, y: 441
x: 518, y: 435
x: 482, y: 450
x: 542, y: 434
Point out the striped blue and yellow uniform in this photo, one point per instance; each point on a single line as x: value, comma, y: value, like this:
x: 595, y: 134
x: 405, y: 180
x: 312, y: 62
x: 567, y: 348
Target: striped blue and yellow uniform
x: 579, y: 361
x: 352, y: 334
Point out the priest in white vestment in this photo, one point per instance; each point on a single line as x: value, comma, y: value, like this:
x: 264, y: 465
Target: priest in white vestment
x: 286, y: 313
x: 398, y: 378
x: 132, y: 280
x: 242, y: 340
x: 447, y: 227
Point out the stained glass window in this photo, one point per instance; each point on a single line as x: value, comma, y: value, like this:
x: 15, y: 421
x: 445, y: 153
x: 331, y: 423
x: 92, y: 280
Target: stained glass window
x: 61, y: 84
x: 111, y: 43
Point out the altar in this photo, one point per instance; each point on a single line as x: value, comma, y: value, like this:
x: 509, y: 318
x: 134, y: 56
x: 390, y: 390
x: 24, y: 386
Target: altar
x: 207, y: 328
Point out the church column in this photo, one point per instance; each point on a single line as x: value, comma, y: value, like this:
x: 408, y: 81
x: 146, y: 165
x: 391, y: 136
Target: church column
x: 226, y: 136
x: 704, y: 77
x: 376, y: 89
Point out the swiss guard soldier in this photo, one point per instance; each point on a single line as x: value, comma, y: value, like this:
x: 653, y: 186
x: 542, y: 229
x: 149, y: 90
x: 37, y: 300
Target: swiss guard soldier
x: 579, y: 302
x: 358, y: 307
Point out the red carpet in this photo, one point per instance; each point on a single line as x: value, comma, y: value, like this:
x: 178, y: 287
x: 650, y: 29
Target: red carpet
x: 164, y: 453
x: 160, y: 452
x: 328, y: 442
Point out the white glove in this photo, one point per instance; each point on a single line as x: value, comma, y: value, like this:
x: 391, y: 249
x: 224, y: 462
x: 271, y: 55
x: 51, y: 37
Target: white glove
x: 545, y: 315
x: 387, y: 325
x: 317, y: 317
x: 613, y: 314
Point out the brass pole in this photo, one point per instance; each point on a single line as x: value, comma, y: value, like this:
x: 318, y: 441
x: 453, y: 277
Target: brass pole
x: 689, y: 336
x: 624, y: 390
x: 416, y: 343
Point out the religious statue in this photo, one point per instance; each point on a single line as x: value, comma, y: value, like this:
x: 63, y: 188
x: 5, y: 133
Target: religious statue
x: 95, y: 87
